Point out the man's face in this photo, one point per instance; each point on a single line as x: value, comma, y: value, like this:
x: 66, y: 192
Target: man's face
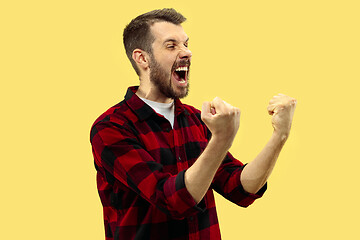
x: 170, y: 60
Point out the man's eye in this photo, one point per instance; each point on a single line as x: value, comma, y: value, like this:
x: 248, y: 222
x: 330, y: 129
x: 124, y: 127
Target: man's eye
x: 171, y: 46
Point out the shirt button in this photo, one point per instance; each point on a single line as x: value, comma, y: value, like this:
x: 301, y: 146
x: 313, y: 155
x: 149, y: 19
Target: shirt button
x: 191, y: 218
x: 179, y: 158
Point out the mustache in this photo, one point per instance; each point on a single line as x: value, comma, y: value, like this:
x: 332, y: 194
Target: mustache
x: 182, y: 62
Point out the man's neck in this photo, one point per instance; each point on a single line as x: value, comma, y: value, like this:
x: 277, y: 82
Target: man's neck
x: 150, y: 92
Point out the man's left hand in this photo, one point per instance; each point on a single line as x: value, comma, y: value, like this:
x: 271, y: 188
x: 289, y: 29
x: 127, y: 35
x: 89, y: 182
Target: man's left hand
x: 282, y: 108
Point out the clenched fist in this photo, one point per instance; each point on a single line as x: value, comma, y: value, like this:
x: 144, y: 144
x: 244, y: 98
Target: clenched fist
x: 282, y: 108
x: 222, y: 119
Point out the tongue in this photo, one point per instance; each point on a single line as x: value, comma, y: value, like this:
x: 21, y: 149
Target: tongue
x: 176, y: 76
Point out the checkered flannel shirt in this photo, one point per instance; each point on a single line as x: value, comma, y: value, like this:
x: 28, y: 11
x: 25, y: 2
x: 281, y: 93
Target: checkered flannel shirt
x: 141, y: 160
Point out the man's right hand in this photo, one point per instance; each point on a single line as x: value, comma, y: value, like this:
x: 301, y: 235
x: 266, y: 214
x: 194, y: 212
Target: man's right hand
x: 222, y: 119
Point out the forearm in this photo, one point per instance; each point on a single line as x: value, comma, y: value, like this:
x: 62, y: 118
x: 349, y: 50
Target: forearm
x: 200, y: 175
x: 256, y: 173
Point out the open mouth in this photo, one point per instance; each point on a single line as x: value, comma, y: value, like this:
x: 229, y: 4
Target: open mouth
x: 180, y: 74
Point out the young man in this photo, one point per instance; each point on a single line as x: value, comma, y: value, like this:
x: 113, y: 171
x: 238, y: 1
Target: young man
x: 158, y: 160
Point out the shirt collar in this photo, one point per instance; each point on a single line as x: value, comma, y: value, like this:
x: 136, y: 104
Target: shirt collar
x: 144, y: 111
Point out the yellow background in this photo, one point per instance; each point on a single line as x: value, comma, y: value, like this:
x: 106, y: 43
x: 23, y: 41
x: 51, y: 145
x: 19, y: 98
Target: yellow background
x: 63, y: 64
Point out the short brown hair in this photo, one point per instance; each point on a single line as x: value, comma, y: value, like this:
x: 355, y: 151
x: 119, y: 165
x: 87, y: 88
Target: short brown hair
x: 137, y: 33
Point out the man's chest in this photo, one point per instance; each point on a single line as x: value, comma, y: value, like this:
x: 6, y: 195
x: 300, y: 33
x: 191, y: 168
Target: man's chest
x: 175, y: 148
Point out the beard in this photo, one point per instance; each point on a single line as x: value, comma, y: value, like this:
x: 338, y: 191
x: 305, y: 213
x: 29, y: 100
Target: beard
x: 162, y: 80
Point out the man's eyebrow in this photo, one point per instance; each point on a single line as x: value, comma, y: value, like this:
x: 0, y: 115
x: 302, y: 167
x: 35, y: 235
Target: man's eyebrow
x: 174, y: 40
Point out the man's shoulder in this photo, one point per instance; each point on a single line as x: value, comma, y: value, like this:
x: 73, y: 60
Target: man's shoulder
x: 191, y: 110
x: 192, y: 114
x: 115, y: 114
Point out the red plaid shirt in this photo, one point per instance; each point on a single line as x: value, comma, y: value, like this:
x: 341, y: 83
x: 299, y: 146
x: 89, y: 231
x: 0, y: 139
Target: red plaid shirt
x: 141, y: 161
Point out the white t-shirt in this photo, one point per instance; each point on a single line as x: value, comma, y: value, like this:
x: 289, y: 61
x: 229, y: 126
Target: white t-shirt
x: 165, y: 109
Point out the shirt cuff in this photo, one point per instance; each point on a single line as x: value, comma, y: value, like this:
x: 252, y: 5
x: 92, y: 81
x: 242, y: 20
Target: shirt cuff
x: 242, y: 197
x: 186, y: 196
x: 180, y: 202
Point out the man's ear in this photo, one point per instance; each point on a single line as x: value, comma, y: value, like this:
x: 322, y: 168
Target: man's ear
x: 141, y: 58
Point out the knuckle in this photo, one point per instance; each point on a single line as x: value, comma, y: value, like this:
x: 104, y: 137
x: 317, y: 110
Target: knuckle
x: 281, y: 105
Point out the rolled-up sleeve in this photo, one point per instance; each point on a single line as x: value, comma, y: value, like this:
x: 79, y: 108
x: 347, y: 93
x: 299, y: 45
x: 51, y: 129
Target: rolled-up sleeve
x: 117, y: 151
x: 227, y: 183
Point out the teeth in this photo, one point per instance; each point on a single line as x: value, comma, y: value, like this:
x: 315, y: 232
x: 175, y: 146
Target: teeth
x: 182, y: 69
x: 182, y: 81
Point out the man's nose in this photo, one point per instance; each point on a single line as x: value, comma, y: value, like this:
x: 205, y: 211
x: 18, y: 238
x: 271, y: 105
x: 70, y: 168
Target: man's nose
x: 185, y: 53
